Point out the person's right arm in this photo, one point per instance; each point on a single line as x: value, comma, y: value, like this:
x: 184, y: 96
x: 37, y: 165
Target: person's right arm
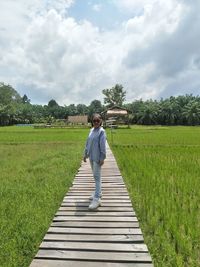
x: 85, y: 155
x: 85, y: 152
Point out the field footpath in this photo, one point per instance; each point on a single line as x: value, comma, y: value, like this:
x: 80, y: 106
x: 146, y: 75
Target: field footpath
x: 109, y: 236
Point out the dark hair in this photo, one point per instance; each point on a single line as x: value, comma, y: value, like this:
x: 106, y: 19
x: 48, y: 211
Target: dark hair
x: 98, y: 116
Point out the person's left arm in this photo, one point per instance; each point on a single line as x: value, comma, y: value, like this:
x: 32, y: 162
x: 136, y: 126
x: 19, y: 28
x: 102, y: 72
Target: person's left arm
x: 102, y: 144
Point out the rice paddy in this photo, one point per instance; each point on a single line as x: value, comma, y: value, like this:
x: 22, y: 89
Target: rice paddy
x: 161, y: 168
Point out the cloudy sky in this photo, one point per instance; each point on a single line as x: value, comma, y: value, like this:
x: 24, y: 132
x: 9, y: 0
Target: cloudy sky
x: 70, y: 50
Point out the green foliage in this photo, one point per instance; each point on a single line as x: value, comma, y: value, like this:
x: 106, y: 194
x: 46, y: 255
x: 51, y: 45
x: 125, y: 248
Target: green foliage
x: 82, y: 109
x: 8, y: 95
x: 161, y: 169
x: 95, y: 107
x: 52, y: 103
x: 9, y: 102
x: 181, y: 110
x: 114, y: 96
x: 25, y: 99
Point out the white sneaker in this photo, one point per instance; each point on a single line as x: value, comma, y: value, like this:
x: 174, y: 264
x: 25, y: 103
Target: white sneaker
x: 92, y: 196
x: 96, y: 202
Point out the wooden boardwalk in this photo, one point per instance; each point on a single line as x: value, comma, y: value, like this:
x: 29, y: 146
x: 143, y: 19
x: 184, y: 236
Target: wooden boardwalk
x: 108, y: 237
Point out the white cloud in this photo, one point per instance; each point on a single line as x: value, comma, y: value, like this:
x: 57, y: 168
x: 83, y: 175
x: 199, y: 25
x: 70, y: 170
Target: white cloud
x: 97, y: 7
x: 47, y: 54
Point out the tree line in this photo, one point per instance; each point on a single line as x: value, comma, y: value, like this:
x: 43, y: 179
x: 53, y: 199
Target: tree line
x: 180, y: 110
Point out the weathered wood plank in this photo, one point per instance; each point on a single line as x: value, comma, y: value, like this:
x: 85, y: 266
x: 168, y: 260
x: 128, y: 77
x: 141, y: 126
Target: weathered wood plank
x: 102, y: 175
x: 104, y: 187
x: 88, y: 193
x: 90, y: 218
x: 103, y: 231
x: 94, y: 246
x: 91, y: 181
x: 103, y: 201
x: 102, y: 184
x: 86, y: 224
x: 69, y: 263
x: 95, y: 238
x: 103, y: 197
x: 90, y: 255
x: 95, y: 213
x: 104, y: 190
x: 99, y: 211
x: 86, y: 204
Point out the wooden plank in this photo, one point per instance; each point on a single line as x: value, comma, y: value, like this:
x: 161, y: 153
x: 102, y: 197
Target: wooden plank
x: 105, y: 180
x: 95, y: 213
x: 86, y: 196
x: 86, y: 181
x: 86, y: 224
x: 70, y: 263
x: 103, y: 172
x: 90, y: 218
x: 103, y: 186
x: 86, y: 204
x: 104, y: 175
x: 103, y: 197
x: 103, y: 231
x: 104, y: 190
x: 94, y: 246
x: 106, y: 185
x: 100, y: 209
x: 95, y: 238
x: 88, y: 193
x: 103, y: 201
x: 90, y: 255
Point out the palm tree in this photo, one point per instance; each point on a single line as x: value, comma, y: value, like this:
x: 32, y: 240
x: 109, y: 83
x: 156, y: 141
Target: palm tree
x: 191, y: 112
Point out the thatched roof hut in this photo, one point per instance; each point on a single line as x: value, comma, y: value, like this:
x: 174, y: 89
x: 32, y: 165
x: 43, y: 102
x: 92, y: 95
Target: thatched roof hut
x: 115, y: 115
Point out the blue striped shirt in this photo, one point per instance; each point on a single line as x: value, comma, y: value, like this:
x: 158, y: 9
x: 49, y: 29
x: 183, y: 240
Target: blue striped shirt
x: 95, y: 147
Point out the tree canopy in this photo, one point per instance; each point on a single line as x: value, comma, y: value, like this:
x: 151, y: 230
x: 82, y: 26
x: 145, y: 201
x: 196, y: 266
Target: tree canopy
x: 114, y: 96
x: 8, y: 94
x: 180, y: 110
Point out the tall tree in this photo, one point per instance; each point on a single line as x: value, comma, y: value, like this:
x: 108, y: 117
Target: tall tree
x: 95, y: 107
x: 82, y: 109
x: 114, y: 96
x: 25, y: 99
x: 72, y: 110
x: 192, y: 113
x: 8, y: 94
x: 52, y: 103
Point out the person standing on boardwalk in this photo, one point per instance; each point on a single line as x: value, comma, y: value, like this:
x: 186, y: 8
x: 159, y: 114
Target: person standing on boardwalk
x: 95, y: 150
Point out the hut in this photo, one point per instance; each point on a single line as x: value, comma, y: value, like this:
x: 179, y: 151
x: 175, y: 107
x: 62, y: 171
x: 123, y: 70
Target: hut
x: 81, y: 119
x: 114, y: 116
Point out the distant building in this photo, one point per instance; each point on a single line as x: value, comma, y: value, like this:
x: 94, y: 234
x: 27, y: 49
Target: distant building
x: 83, y: 119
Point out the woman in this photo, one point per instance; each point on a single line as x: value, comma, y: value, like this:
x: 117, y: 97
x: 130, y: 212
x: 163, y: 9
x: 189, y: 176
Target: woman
x: 95, y: 149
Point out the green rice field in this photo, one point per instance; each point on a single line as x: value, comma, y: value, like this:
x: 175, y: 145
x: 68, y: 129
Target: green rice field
x: 37, y: 167
x: 160, y: 166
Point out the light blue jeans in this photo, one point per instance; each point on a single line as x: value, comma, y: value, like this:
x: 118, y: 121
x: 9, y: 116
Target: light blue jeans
x: 96, y: 169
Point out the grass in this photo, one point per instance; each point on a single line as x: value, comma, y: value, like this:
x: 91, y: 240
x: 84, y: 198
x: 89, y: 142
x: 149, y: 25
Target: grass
x: 161, y: 167
x: 37, y: 168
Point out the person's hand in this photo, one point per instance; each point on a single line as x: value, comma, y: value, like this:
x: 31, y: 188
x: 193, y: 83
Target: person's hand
x: 84, y: 159
x: 101, y: 162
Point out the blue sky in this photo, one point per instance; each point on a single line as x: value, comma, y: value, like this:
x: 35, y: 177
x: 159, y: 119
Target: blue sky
x: 70, y: 50
x: 102, y: 14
